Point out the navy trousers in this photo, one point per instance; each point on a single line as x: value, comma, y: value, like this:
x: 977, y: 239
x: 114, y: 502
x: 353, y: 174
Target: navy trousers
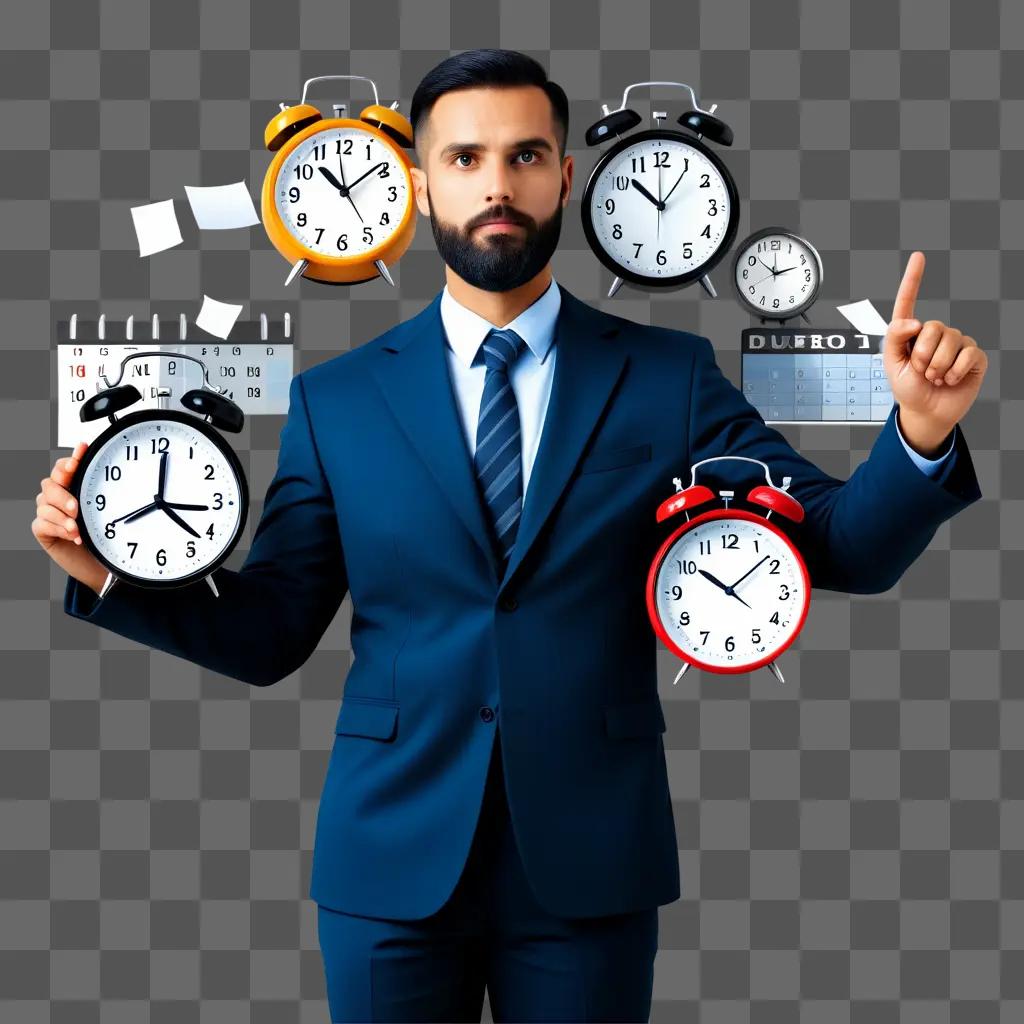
x: 490, y: 933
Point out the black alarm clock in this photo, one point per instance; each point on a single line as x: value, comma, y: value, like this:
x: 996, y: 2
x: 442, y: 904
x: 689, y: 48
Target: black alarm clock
x: 660, y: 208
x: 162, y: 497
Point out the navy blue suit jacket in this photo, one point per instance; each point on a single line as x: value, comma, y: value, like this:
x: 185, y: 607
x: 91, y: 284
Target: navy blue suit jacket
x: 374, y: 494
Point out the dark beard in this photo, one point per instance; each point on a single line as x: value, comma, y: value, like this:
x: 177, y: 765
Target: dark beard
x: 500, y: 261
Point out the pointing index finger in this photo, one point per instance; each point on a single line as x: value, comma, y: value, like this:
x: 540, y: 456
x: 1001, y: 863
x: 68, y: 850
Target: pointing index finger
x: 903, y: 307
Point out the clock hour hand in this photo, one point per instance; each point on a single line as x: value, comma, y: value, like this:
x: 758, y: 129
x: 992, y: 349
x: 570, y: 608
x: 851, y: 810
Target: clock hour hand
x: 137, y: 514
x: 345, y: 189
x: 380, y: 163
x: 334, y: 181
x: 636, y: 184
x: 176, y: 518
x: 178, y: 504
x: 719, y: 583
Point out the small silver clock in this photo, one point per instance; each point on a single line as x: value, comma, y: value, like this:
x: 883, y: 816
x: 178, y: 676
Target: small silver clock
x: 777, y: 274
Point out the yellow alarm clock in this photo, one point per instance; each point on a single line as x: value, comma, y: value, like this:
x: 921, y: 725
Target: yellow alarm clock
x: 338, y: 196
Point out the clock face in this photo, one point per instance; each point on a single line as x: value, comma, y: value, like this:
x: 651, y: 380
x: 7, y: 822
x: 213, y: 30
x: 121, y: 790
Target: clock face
x: 730, y: 630
x: 308, y: 196
x: 204, y: 510
x: 660, y: 209
x: 777, y: 274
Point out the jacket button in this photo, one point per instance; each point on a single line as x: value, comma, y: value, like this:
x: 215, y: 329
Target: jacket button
x: 509, y: 603
x: 487, y: 713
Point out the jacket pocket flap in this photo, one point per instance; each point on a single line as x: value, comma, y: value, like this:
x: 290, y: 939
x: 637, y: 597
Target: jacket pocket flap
x: 361, y: 716
x: 613, y: 458
x: 637, y: 718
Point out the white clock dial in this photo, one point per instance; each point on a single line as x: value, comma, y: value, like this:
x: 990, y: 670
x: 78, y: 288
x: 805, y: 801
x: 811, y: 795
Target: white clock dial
x: 312, y: 207
x: 778, y: 274
x: 713, y: 626
x: 628, y: 223
x: 124, y: 476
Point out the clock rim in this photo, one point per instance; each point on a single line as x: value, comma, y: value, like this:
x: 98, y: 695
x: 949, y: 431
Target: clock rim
x: 336, y: 269
x: 659, y: 558
x: 642, y: 280
x: 130, y: 419
x: 745, y: 244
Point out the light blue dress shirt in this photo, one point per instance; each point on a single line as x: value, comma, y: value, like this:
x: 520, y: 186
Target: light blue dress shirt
x: 533, y: 372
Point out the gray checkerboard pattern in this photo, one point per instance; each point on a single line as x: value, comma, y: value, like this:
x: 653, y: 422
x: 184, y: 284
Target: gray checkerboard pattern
x: 851, y: 844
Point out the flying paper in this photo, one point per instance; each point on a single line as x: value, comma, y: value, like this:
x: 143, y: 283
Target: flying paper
x: 217, y: 317
x: 222, y: 206
x: 156, y: 227
x: 864, y: 317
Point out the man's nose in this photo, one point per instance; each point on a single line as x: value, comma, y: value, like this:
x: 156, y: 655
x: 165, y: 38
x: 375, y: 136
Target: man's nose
x: 500, y: 189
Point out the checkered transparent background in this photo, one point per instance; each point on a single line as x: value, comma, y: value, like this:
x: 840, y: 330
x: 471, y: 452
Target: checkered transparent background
x: 851, y: 843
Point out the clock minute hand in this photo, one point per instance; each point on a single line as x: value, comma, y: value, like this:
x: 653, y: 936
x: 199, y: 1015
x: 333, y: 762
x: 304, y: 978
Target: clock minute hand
x: 193, y: 508
x: 380, y: 163
x: 748, y: 572
x: 673, y: 188
x: 176, y: 518
x: 719, y: 583
x: 137, y: 514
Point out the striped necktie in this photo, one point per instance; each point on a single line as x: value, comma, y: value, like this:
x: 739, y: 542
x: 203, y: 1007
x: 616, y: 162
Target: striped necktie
x: 498, y: 460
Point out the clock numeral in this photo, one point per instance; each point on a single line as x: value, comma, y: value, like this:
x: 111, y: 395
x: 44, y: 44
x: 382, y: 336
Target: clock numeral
x: 687, y: 250
x: 109, y: 531
x: 641, y: 159
x: 677, y: 592
x: 368, y: 157
x: 301, y: 220
x: 661, y: 259
x: 132, y: 452
x: 705, y: 633
x: 190, y: 549
x: 111, y: 472
x: 730, y: 644
x: 609, y: 206
x: 384, y: 172
x: 775, y: 303
x: 712, y: 208
x: 702, y: 551
x: 684, y: 618
x: 774, y: 618
x: 319, y: 153
x: 384, y: 218
x: 133, y: 544
x: 783, y: 592
x: 774, y: 563
x: 301, y: 169
x: 392, y: 193
x: 343, y: 242
x: 348, y: 146
x: 706, y: 233
x: 101, y: 502
x: 319, y: 235
x: 688, y: 567
x: 368, y: 235
x: 209, y: 531
x: 776, y: 244
x: 209, y: 472
x: 661, y: 158
x: 733, y: 540
x: 161, y: 444
x: 616, y: 231
x: 705, y: 181
x: 219, y: 498
x: 161, y: 557
x: 755, y: 636
x: 638, y: 246
x: 622, y: 182
x: 294, y: 194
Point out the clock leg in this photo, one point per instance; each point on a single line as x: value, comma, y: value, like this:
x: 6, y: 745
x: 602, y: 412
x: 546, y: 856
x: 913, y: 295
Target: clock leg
x: 107, y: 584
x: 297, y: 271
x: 616, y: 285
x: 775, y: 671
x: 708, y: 286
x: 383, y: 271
x: 213, y: 586
x: 681, y: 673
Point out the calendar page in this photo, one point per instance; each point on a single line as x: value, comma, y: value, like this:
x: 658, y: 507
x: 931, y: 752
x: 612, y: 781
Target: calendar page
x: 814, y: 375
x: 254, y: 367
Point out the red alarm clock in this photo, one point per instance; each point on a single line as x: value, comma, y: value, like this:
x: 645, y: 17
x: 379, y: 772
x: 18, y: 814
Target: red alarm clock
x: 728, y: 591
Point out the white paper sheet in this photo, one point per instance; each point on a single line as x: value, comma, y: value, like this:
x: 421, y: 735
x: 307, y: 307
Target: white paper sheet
x: 222, y: 206
x: 865, y: 318
x: 156, y: 227
x: 217, y: 317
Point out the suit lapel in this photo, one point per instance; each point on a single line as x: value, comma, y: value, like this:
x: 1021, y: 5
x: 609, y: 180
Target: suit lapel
x: 416, y: 384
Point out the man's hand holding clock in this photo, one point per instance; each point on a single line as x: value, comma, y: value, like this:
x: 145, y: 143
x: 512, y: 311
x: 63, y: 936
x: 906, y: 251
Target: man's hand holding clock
x: 936, y: 379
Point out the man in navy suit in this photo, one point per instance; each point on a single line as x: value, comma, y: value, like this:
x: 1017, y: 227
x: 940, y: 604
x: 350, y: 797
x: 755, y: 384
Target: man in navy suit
x: 483, y: 478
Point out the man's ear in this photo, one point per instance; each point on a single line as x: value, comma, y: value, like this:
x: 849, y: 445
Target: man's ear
x: 419, y: 188
x: 567, y: 166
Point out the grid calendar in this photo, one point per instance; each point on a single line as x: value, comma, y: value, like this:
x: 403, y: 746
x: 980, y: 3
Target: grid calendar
x: 851, y: 845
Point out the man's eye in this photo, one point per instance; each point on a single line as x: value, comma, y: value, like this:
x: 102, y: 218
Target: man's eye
x: 461, y: 155
x: 531, y: 152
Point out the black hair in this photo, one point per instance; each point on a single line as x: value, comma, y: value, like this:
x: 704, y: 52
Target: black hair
x: 489, y: 67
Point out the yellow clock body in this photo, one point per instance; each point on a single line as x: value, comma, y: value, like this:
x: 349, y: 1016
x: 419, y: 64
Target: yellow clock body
x: 337, y: 198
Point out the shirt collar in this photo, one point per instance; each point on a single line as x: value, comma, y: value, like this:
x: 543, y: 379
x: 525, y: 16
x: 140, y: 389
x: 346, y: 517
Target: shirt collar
x: 466, y: 330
